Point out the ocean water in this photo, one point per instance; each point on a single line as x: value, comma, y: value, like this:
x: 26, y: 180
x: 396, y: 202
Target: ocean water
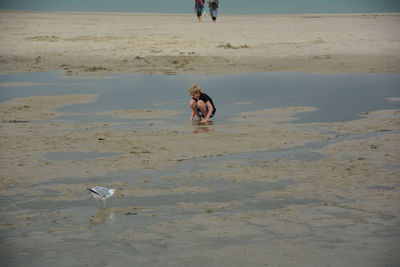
x: 226, y: 6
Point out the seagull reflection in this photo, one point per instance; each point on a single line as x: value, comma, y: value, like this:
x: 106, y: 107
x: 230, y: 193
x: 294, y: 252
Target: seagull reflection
x: 102, y: 216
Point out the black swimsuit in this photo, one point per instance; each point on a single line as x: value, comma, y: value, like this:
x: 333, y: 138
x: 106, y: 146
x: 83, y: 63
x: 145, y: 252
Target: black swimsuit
x: 205, y: 98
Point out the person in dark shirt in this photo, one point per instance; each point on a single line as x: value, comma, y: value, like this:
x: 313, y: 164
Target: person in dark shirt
x: 199, y: 5
x: 213, y: 5
x: 201, y: 104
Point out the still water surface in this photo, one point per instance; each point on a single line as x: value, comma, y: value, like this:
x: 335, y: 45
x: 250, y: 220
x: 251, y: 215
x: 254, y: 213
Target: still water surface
x: 340, y: 97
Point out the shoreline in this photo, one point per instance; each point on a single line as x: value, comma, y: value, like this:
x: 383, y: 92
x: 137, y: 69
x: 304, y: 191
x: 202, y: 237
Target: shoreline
x: 193, y: 13
x: 96, y: 42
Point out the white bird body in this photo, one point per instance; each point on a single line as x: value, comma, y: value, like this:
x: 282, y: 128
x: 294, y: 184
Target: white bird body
x: 102, y: 193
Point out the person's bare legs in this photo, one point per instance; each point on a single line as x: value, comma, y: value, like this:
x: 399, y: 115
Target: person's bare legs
x: 193, y: 106
x: 203, y: 107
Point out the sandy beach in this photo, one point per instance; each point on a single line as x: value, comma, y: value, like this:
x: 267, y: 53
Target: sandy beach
x: 157, y: 43
x: 261, y: 190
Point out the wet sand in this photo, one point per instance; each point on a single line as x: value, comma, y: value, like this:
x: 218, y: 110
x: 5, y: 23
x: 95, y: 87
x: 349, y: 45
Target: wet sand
x: 261, y: 190
x: 205, y: 194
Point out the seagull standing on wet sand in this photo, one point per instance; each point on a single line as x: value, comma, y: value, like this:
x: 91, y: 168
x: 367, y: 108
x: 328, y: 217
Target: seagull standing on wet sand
x: 102, y: 193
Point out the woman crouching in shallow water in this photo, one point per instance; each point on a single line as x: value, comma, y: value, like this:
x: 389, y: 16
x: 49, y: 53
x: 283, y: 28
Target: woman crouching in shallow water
x: 201, y: 104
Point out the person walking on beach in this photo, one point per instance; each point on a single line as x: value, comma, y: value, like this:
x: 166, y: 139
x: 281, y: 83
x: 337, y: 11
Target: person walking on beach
x: 201, y: 104
x: 213, y: 5
x: 199, y: 5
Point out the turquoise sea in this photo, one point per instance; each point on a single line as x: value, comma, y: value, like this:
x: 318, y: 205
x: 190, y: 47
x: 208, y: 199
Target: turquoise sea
x: 226, y: 6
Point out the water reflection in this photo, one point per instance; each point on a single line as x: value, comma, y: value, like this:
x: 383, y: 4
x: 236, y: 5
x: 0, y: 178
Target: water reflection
x: 202, y: 127
x: 102, y: 216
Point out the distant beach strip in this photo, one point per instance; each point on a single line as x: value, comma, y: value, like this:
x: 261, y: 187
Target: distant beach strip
x: 226, y: 6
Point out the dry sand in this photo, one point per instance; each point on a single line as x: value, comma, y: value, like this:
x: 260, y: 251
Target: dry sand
x: 341, y: 209
x: 131, y: 43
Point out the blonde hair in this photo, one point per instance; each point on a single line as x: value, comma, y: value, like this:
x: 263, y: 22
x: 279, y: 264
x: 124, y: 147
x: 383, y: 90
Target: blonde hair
x: 194, y: 88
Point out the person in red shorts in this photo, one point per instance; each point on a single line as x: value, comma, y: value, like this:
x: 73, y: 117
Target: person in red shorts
x: 199, y: 5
